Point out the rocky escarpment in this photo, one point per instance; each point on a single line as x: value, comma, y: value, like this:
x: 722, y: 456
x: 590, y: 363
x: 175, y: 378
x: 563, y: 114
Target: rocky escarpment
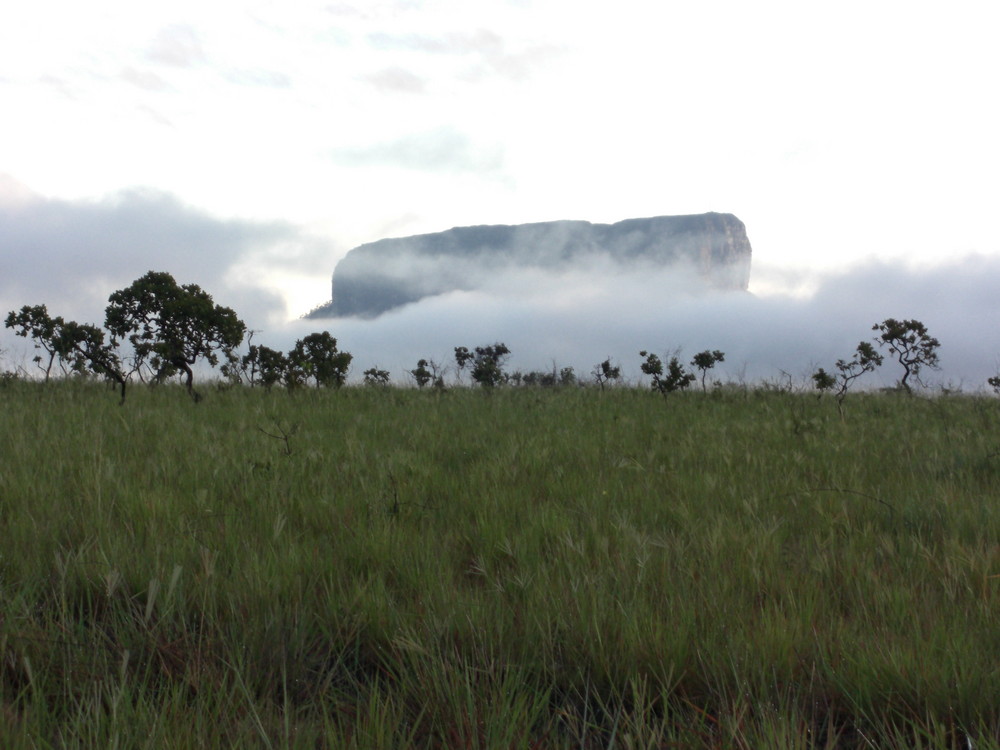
x: 380, y: 276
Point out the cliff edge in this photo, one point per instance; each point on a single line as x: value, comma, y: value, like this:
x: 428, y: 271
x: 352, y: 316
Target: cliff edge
x: 380, y: 276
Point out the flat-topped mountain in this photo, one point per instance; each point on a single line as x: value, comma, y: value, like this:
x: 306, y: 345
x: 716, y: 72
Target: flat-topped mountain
x: 380, y: 276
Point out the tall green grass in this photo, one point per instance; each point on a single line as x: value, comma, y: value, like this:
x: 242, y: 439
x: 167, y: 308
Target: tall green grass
x: 519, y: 569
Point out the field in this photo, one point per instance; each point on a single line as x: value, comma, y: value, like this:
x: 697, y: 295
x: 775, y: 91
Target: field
x: 527, y: 568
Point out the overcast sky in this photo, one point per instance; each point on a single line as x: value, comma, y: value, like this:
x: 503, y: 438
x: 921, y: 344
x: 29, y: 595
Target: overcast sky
x: 246, y: 146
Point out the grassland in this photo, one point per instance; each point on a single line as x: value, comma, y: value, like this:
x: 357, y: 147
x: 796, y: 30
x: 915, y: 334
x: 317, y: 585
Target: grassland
x: 530, y: 568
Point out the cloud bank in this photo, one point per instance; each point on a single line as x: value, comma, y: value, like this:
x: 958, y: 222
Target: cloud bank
x: 579, y: 319
x: 72, y: 255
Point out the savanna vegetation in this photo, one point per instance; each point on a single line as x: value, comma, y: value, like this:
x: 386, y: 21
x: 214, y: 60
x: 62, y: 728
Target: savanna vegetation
x: 495, y: 566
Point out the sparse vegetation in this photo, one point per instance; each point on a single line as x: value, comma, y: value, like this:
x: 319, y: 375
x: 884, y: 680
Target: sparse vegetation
x: 675, y: 378
x: 262, y: 366
x: 462, y: 359
x: 78, y: 348
x: 487, y: 363
x: 421, y: 375
x: 705, y: 361
x: 561, y: 376
x: 604, y: 373
x: 865, y: 359
x: 376, y: 376
x: 912, y: 346
x: 45, y: 332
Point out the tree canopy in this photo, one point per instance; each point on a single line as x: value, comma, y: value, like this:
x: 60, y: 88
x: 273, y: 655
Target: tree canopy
x: 910, y: 343
x: 47, y: 332
x: 78, y: 347
x: 675, y: 378
x: 706, y: 360
x: 316, y: 356
x: 171, y: 326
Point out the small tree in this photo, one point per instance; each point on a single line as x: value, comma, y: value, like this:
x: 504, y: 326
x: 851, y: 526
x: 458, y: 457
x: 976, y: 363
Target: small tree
x: 376, y: 377
x: 865, y: 359
x: 45, y: 331
x: 487, y: 364
x: 823, y: 381
x: 317, y: 357
x: 171, y: 326
x: 557, y: 376
x: 676, y: 378
x: 705, y: 361
x: 80, y: 347
x: 421, y: 375
x: 653, y: 366
x: 994, y: 382
x: 263, y: 366
x: 242, y: 369
x: 536, y: 378
x: 437, y: 374
x: 909, y: 341
x: 427, y: 372
x: 463, y: 357
x: 89, y: 351
x: 605, y: 373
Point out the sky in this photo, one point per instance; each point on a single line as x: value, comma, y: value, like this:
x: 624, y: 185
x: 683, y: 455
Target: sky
x: 247, y: 146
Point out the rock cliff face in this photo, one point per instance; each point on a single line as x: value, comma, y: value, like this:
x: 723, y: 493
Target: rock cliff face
x: 380, y: 276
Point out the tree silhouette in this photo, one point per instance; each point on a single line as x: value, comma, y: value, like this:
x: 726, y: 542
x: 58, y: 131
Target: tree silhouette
x: 865, y: 359
x: 46, y: 332
x: 604, y: 372
x: 909, y: 341
x: 705, y: 361
x: 487, y: 364
x: 317, y: 357
x: 675, y: 378
x: 171, y: 327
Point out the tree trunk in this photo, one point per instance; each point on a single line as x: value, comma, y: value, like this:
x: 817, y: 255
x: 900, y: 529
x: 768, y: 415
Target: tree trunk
x: 188, y: 379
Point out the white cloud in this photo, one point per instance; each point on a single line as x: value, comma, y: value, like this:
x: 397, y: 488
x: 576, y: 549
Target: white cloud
x: 178, y: 45
x: 483, y: 50
x: 144, y: 79
x: 441, y: 150
x: 397, y: 79
x: 72, y: 255
x: 837, y: 137
x: 259, y: 77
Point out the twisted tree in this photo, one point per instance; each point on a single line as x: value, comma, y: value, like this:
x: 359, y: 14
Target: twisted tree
x: 910, y: 343
x: 171, y: 327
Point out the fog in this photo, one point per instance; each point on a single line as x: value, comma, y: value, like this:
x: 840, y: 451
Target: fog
x: 577, y: 319
x: 71, y: 256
